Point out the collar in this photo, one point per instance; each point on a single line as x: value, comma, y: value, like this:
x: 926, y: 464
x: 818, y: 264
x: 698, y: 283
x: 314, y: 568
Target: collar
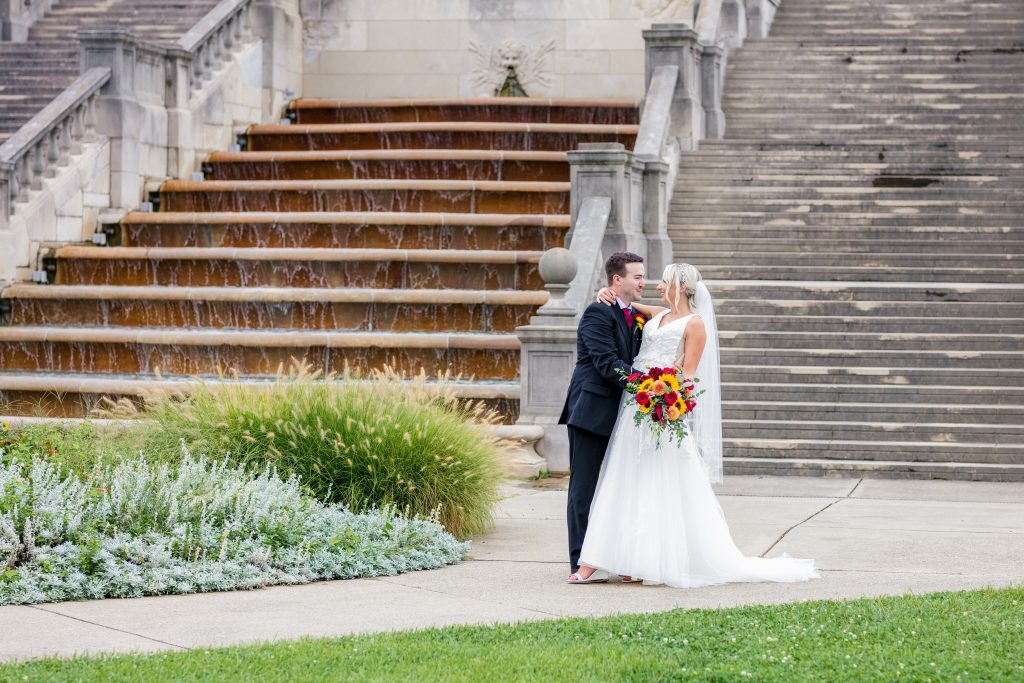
x: 621, y: 304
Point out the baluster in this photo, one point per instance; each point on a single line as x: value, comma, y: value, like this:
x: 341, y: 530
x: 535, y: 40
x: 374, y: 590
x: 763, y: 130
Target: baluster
x: 209, y: 59
x: 24, y: 173
x: 229, y: 34
x: 77, y: 131
x: 38, y: 166
x: 245, y: 28
x: 90, y: 120
x: 64, y: 141
x: 14, y: 186
x: 52, y: 154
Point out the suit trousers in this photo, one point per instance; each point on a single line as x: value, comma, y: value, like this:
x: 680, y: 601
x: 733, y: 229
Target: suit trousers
x: 586, y: 453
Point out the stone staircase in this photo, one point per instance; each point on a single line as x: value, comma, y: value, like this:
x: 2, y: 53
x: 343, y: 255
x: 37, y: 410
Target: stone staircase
x: 34, y: 72
x: 862, y: 224
x: 363, y: 233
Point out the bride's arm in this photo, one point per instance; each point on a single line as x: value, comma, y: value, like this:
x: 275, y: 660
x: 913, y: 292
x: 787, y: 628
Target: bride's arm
x: 607, y: 297
x: 692, y: 347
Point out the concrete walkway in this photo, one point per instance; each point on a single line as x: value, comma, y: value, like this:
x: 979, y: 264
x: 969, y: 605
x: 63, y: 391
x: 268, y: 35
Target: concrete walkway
x: 869, y: 536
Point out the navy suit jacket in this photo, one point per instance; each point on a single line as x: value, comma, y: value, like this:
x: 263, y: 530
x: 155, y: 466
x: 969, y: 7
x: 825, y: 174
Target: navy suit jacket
x: 604, y: 346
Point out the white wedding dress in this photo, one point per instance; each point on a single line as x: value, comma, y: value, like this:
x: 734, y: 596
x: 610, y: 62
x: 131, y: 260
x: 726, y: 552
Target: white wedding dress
x: 654, y: 515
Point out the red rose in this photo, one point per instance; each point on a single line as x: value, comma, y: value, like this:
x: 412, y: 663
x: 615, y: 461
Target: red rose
x: 656, y: 413
x: 634, y: 377
x: 643, y: 398
x: 671, y: 397
x: 690, y: 405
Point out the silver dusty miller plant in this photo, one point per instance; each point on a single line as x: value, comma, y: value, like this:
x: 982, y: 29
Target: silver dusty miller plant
x: 138, y: 528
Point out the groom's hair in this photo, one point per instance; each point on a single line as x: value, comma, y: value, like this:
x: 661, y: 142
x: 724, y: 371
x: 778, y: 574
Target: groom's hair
x: 616, y: 263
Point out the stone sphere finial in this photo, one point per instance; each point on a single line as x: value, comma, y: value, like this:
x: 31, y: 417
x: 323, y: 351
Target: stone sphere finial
x: 557, y: 267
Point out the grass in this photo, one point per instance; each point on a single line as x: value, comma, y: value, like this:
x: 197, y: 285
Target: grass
x: 962, y: 636
x: 366, y: 444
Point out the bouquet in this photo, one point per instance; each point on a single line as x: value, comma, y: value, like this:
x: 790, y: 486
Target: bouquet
x: 662, y: 400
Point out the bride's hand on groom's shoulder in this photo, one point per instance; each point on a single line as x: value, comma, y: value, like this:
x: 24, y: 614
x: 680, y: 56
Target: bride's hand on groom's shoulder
x: 606, y: 296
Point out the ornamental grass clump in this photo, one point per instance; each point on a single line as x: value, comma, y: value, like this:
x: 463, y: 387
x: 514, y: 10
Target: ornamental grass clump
x: 139, y: 528
x: 364, y: 442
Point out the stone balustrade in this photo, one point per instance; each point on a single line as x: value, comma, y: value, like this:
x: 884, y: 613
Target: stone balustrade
x: 215, y: 37
x: 17, y: 16
x: 48, y: 140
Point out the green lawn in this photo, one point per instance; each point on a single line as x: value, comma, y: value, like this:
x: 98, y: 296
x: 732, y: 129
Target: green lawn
x: 965, y: 636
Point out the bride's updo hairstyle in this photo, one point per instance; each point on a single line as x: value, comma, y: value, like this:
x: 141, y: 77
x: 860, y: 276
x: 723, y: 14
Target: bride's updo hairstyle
x: 681, y: 276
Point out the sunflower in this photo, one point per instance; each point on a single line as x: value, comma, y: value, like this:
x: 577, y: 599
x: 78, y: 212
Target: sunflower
x: 646, y: 408
x: 646, y: 385
x: 670, y: 380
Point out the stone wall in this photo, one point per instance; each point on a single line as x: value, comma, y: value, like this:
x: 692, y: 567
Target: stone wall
x: 456, y: 48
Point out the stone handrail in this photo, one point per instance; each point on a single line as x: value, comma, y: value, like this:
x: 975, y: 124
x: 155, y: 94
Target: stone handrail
x: 213, y: 38
x: 708, y: 18
x: 48, y: 139
x: 657, y: 113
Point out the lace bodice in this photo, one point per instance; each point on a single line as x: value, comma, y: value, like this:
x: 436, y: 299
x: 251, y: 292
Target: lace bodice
x: 661, y: 346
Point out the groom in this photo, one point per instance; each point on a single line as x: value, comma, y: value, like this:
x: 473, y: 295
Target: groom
x: 607, y: 340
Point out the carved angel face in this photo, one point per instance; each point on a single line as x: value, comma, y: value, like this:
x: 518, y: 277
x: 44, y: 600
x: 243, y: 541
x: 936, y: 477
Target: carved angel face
x: 511, y: 53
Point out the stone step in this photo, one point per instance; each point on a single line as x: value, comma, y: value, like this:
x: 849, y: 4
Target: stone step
x: 913, y: 451
x: 869, y: 358
x: 972, y: 220
x: 993, y: 378
x: 695, y: 174
x: 841, y: 393
x: 885, y: 188
x: 956, y: 471
x: 258, y: 267
x: 902, y: 341
x: 871, y: 323
x: 253, y: 352
x: 819, y: 259
x: 804, y: 430
x: 351, y: 230
x: 716, y: 268
x: 882, y: 311
x: 493, y: 109
x: 389, y: 164
x: 441, y: 135
x: 865, y: 292
x: 880, y: 412
x: 78, y: 394
x: 957, y: 144
x: 699, y: 239
x: 366, y: 195
x: 340, y: 309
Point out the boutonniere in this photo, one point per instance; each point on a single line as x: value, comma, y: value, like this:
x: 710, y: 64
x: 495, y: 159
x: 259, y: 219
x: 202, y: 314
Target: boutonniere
x: 640, y: 321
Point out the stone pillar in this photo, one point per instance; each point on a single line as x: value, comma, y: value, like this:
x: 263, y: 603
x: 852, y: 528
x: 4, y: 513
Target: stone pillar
x: 605, y: 169
x: 548, y: 343
x: 655, y: 216
x: 712, y: 81
x: 17, y: 17
x: 677, y: 45
x: 130, y: 110
x: 759, y: 17
x: 8, y: 247
x: 547, y: 358
x: 278, y: 23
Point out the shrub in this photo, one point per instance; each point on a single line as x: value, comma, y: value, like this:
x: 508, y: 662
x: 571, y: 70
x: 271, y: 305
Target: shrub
x: 365, y: 443
x: 136, y: 528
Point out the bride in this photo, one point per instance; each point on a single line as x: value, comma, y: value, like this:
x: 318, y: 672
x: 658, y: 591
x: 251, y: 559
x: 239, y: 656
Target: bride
x: 654, y: 517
